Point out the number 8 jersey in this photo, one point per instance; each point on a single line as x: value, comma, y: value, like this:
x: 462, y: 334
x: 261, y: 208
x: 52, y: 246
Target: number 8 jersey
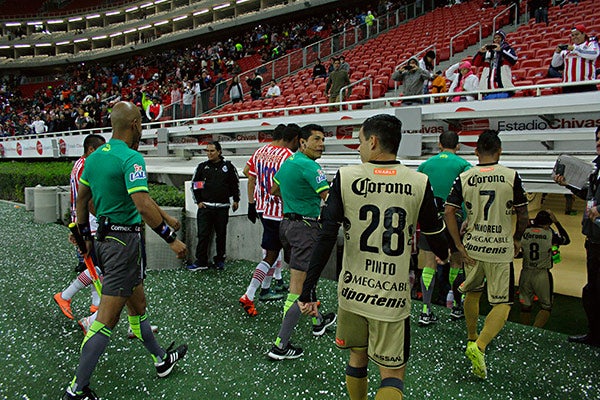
x: 382, y: 203
x: 490, y: 192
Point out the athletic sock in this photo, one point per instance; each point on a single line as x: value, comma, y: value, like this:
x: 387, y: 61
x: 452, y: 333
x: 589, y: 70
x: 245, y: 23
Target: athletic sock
x: 291, y: 315
x: 82, y: 280
x: 427, y: 282
x: 95, y: 298
x: 318, y: 320
x: 494, y: 322
x: 541, y: 318
x: 277, y: 266
x: 452, y: 274
x: 93, y: 345
x: 141, y: 328
x: 357, y: 382
x: 266, y: 283
x: 471, y: 309
x: 390, y: 389
x: 260, y: 272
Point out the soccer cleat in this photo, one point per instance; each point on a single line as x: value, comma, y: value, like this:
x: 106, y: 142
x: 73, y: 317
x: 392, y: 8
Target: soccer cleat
x: 131, y: 335
x: 290, y: 352
x: 163, y: 369
x: 248, y: 306
x: 427, y: 319
x: 85, y: 324
x: 85, y: 394
x: 196, y: 267
x: 328, y: 320
x: 270, y: 295
x: 93, y: 308
x: 280, y: 287
x: 64, y: 305
x: 457, y: 313
x: 477, y: 358
x: 220, y: 265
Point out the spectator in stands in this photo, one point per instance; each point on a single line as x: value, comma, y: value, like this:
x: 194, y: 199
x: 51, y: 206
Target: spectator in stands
x: 412, y: 78
x: 39, y: 126
x: 176, y: 101
x: 188, y: 100
x: 463, y: 80
x: 154, y: 111
x: 220, y: 85
x: 439, y: 85
x: 369, y: 20
x: 344, y: 66
x: 204, y: 86
x: 336, y: 81
x: 539, y: 10
x: 319, y: 70
x: 236, y: 93
x: 273, y: 90
x: 578, y: 59
x: 427, y: 63
x: 497, y: 60
x: 255, y: 84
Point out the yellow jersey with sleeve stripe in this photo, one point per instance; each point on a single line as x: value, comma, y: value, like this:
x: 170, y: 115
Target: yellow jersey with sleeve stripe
x: 113, y: 173
x: 490, y: 192
x: 382, y: 203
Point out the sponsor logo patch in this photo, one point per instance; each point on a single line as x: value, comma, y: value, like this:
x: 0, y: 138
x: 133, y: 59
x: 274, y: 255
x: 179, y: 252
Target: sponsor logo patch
x: 138, y: 173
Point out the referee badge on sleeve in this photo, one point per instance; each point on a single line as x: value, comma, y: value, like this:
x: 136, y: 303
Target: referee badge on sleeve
x: 198, y: 185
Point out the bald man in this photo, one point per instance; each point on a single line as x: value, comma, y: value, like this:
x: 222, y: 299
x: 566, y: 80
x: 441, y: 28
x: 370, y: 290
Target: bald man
x: 115, y: 180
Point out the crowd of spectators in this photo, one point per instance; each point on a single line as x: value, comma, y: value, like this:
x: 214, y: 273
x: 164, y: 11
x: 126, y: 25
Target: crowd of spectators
x: 84, y: 92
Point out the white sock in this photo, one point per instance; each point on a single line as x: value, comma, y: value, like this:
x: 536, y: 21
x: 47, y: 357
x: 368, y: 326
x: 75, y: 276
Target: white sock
x: 277, y: 266
x: 78, y: 283
x: 261, y: 271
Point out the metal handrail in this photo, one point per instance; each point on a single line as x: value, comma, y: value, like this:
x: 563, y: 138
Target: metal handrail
x: 463, y: 31
x: 506, y: 10
x: 370, y: 78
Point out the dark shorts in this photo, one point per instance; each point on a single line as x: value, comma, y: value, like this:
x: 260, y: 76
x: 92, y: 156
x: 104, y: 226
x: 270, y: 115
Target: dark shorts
x: 424, y: 245
x: 270, y: 238
x: 121, y: 258
x: 298, y: 239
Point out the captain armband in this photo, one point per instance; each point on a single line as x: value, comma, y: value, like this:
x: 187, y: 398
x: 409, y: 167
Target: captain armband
x: 165, y: 232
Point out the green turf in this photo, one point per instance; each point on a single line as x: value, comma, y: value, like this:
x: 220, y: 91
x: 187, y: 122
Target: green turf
x: 39, y: 347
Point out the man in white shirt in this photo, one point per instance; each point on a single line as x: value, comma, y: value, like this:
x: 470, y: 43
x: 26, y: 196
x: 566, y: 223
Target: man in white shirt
x: 273, y: 90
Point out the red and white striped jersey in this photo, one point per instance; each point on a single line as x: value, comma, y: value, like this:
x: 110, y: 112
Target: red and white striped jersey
x: 263, y: 165
x: 580, y: 63
x: 75, y: 175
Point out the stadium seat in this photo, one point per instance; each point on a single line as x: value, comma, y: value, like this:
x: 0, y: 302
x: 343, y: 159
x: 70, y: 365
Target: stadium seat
x: 534, y: 63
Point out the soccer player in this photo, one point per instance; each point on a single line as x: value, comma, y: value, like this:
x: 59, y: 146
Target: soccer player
x: 302, y: 185
x: 441, y: 169
x: 539, y: 243
x: 260, y: 169
x: 115, y: 180
x: 491, y: 194
x: 379, y: 204
x: 63, y: 298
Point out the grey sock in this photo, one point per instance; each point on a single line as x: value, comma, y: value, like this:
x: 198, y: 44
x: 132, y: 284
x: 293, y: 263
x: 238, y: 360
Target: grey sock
x: 289, y: 323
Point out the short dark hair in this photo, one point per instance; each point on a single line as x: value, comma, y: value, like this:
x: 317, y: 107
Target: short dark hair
x: 449, y: 140
x: 216, y: 144
x: 387, y: 128
x: 94, y: 141
x: 489, y: 142
x: 278, y: 132
x: 291, y: 132
x: 307, y: 130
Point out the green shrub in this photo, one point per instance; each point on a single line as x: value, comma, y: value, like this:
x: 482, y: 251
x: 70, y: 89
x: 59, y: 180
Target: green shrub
x: 16, y: 176
x: 167, y: 196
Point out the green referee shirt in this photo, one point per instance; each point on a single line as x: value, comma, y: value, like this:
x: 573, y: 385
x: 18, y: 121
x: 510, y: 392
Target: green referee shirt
x: 300, y: 181
x: 442, y: 169
x: 113, y: 172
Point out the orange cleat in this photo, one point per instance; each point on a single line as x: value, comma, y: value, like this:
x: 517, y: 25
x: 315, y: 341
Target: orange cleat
x: 64, y: 305
x: 248, y: 306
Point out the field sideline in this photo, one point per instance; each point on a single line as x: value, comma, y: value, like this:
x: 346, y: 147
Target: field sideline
x: 227, y: 356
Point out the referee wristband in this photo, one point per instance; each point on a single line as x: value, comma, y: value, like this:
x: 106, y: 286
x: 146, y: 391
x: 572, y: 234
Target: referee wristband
x: 165, y: 232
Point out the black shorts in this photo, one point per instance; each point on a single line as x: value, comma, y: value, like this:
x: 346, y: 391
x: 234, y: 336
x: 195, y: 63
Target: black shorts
x: 121, y: 258
x: 424, y: 245
x: 270, y: 237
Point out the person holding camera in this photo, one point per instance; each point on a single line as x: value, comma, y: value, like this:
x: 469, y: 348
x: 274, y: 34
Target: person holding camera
x: 463, y: 80
x: 497, y: 59
x: 578, y: 60
x: 412, y: 78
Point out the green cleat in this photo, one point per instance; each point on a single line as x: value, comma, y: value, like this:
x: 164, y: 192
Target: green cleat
x: 270, y: 295
x: 477, y: 358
